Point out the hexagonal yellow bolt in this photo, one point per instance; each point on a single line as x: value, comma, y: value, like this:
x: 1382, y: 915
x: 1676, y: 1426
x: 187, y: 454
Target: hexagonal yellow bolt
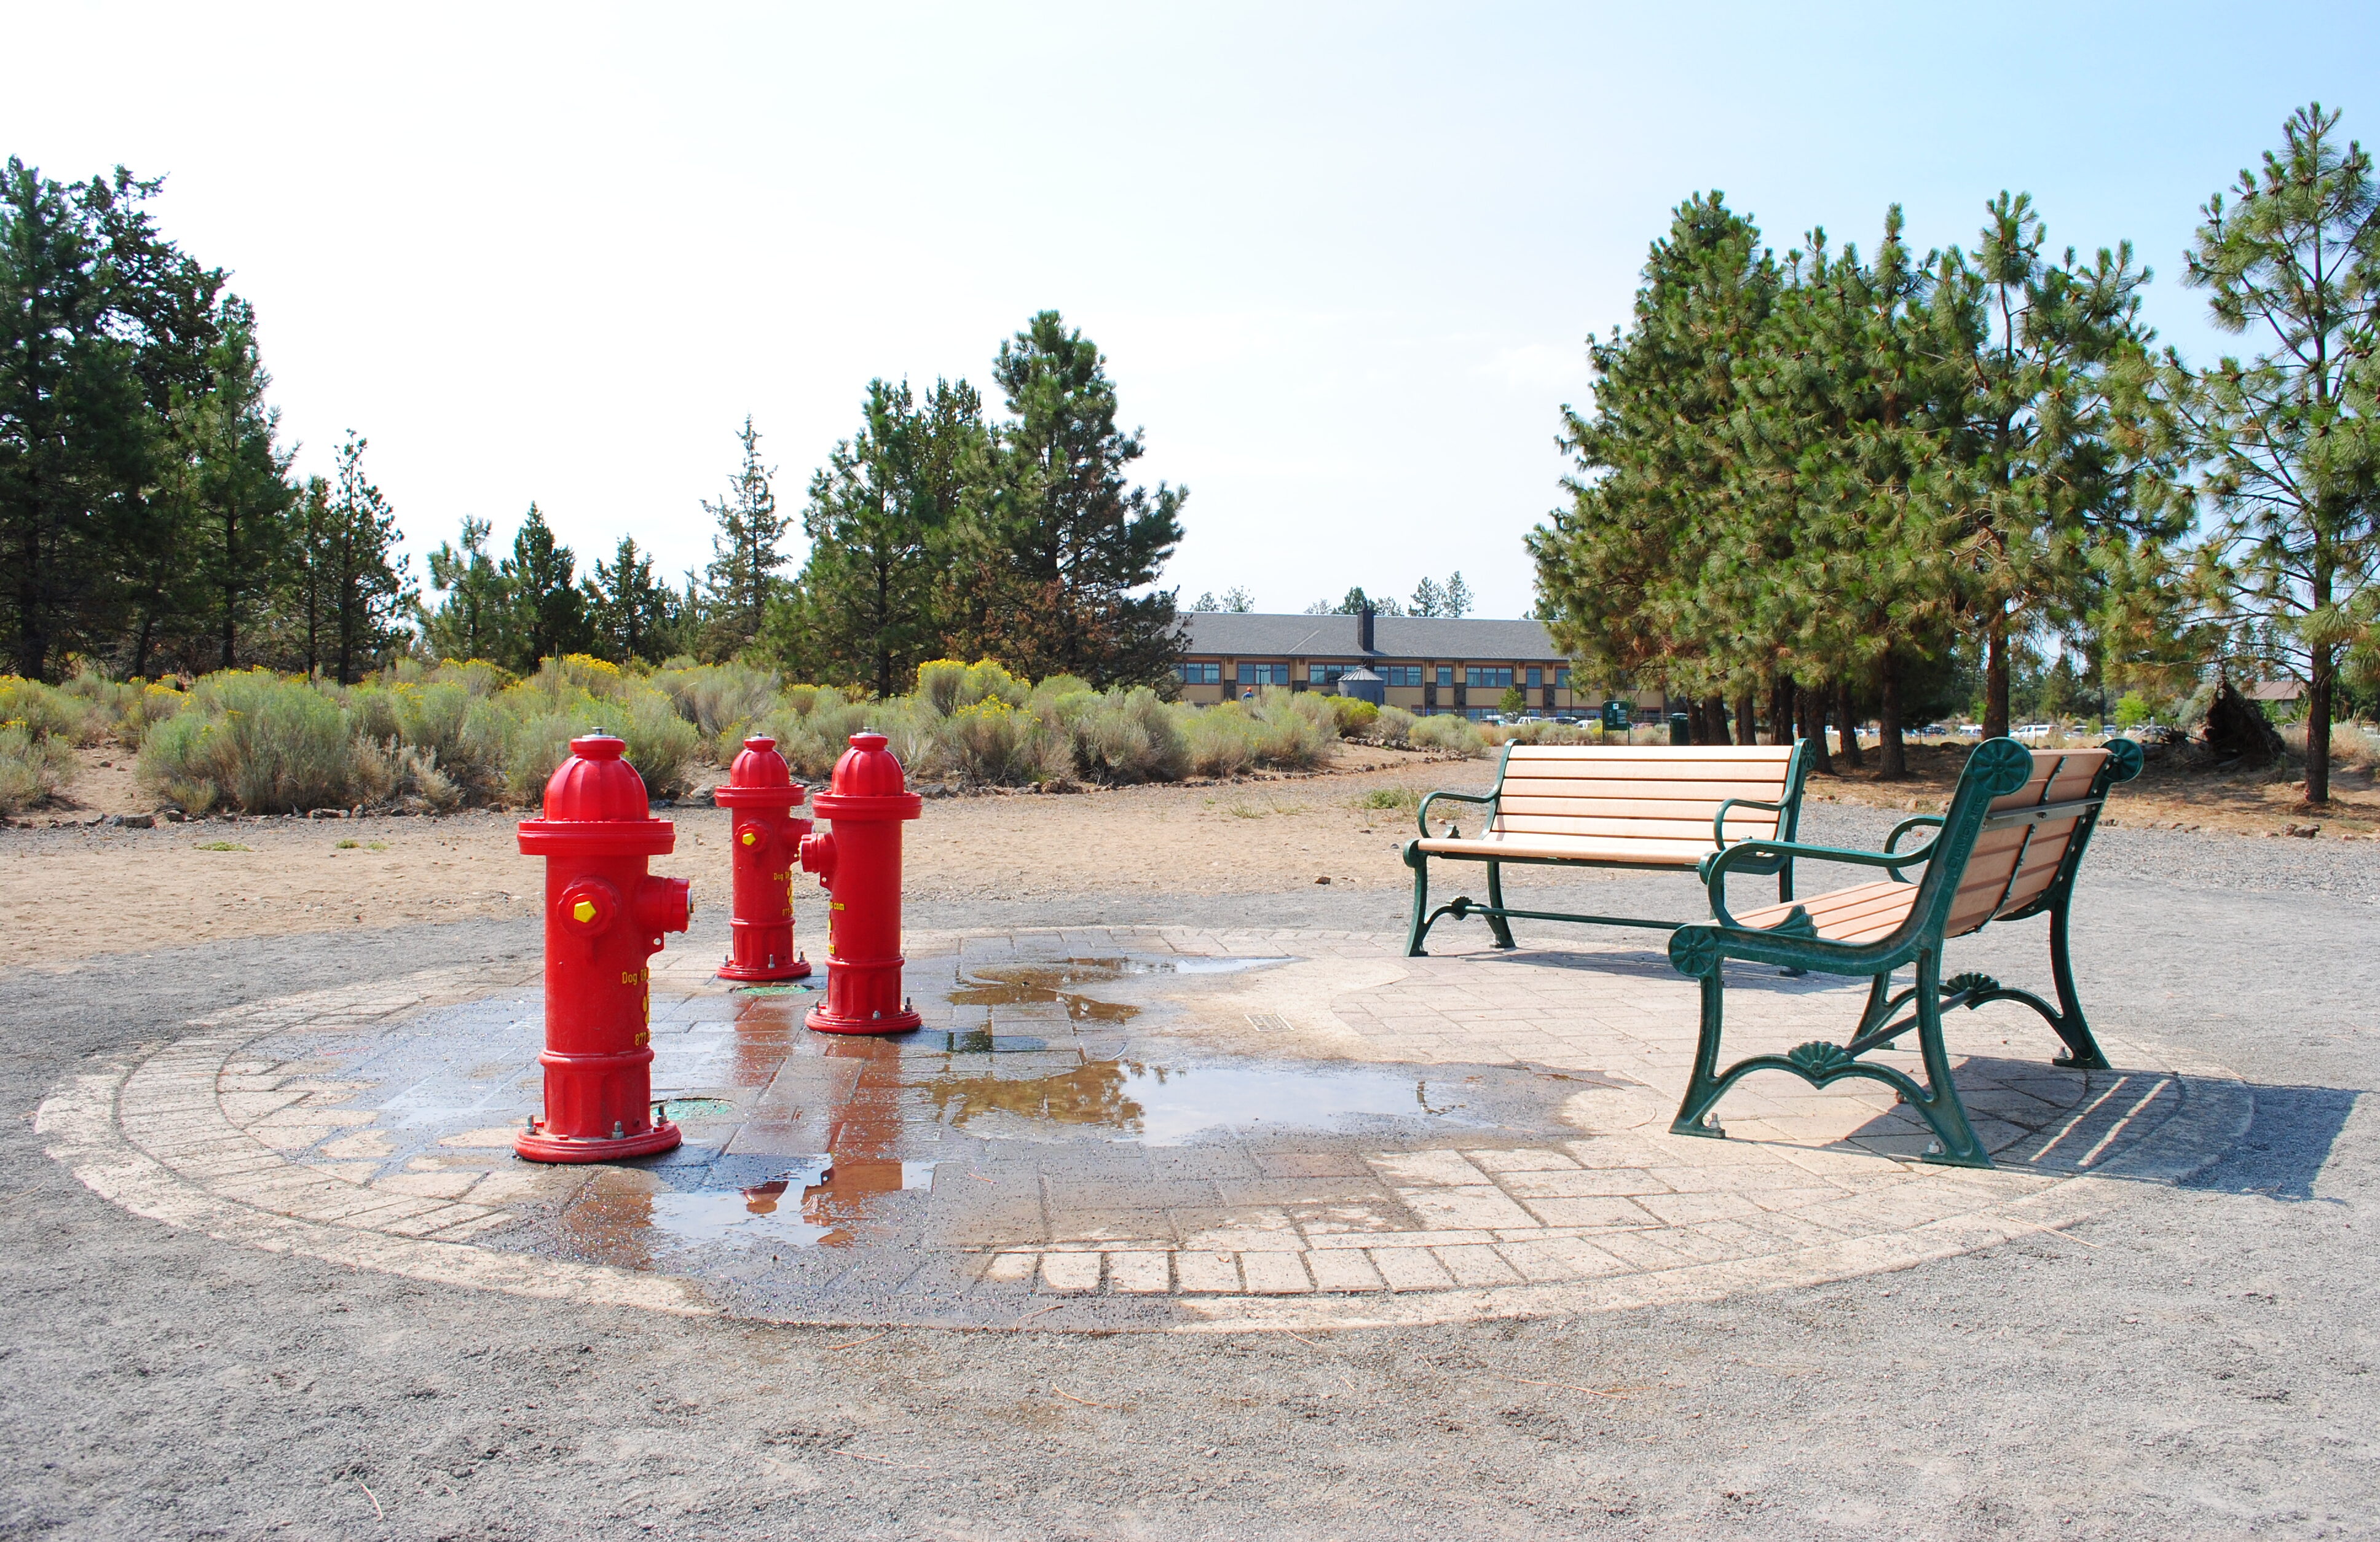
x: 583, y: 911
x: 750, y: 837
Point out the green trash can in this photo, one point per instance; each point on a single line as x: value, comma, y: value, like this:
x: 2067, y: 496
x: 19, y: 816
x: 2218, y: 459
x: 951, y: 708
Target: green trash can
x: 1681, y: 729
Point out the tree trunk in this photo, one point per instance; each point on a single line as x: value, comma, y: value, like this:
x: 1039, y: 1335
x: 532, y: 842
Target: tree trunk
x: 1780, y: 711
x: 230, y: 587
x: 1748, y: 720
x: 1891, y: 753
x: 1715, y: 716
x: 32, y: 642
x: 1846, y: 727
x: 1811, y: 710
x: 2317, y: 726
x: 1996, y: 678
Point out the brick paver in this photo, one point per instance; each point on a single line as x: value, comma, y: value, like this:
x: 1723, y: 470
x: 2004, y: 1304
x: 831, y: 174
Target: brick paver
x: 1149, y: 1139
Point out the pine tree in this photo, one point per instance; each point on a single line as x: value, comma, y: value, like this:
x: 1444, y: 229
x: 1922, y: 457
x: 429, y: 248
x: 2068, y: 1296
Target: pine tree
x: 1356, y: 601
x: 742, y: 579
x: 549, y: 611
x: 234, y: 480
x: 2031, y: 484
x: 1458, y: 595
x: 1846, y: 579
x: 1652, y: 572
x: 474, y: 620
x: 631, y: 612
x: 881, y: 520
x: 2289, y: 438
x: 1429, y: 599
x: 350, y: 580
x: 101, y: 322
x: 1081, y: 545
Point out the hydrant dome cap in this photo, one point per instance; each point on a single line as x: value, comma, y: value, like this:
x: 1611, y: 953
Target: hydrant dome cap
x: 595, y: 784
x: 868, y: 769
x: 759, y: 765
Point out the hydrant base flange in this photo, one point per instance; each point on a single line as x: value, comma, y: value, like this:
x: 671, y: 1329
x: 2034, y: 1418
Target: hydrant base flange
x: 825, y: 1021
x: 798, y: 969
x: 539, y: 1147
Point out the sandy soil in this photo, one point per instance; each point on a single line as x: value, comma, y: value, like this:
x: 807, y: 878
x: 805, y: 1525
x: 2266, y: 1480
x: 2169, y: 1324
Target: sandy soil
x: 71, y: 891
x: 2165, y: 796
x: 74, y: 891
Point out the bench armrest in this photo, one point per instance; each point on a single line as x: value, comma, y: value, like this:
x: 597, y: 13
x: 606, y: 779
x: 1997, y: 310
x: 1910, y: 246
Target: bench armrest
x: 1718, y: 821
x: 1920, y: 822
x: 1422, y: 815
x: 1715, y: 869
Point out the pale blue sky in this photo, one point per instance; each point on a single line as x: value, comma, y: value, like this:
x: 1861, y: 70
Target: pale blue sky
x: 1342, y: 257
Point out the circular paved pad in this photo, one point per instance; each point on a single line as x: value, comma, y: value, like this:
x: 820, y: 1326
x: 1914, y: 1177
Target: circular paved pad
x: 1119, y: 1129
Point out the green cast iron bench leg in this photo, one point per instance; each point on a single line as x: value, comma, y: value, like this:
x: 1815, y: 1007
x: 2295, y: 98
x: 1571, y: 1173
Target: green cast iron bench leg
x: 1819, y: 1063
x: 1496, y: 922
x: 1419, y: 927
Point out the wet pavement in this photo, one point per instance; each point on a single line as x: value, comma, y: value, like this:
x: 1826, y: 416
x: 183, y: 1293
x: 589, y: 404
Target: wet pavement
x: 1130, y: 1128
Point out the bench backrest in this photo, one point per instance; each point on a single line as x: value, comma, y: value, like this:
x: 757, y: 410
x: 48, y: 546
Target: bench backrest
x: 2025, y: 837
x: 1646, y: 791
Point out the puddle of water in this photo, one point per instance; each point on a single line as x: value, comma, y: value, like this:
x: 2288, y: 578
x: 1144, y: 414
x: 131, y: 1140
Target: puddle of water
x: 977, y: 1041
x: 806, y: 1206
x: 1161, y: 1105
x: 697, y: 1107
x: 1048, y: 982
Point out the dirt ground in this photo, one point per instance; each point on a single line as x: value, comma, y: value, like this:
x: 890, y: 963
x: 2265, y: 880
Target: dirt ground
x: 69, y: 891
x: 2167, y: 795
x: 2196, y: 1363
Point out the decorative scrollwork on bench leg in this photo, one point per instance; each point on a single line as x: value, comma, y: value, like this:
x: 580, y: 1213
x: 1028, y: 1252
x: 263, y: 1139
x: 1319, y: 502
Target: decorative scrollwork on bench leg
x: 1936, y: 1100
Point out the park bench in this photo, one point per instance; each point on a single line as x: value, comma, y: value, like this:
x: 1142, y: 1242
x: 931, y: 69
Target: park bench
x: 1659, y: 808
x: 2008, y: 849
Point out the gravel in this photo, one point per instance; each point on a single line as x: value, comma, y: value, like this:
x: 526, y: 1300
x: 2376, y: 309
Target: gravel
x: 2197, y: 1363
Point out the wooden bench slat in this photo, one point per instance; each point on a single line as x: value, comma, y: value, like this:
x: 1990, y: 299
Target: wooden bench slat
x: 1671, y: 853
x: 1694, y: 830
x: 1780, y: 753
x: 1678, y: 771
x: 1861, y: 914
x: 1550, y: 815
x: 1704, y: 792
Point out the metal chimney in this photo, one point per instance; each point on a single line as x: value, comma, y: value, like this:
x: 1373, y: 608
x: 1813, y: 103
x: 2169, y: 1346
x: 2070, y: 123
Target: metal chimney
x: 1363, y: 629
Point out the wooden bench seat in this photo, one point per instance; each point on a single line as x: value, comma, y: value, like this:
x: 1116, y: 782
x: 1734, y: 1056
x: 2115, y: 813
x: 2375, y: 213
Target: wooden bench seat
x: 2008, y: 849
x: 1655, y: 807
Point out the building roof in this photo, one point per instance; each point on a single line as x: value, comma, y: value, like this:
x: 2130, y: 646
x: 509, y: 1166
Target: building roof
x: 2275, y: 690
x: 1254, y: 635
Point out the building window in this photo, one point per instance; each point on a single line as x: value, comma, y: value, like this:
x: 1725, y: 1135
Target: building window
x: 1199, y: 675
x: 1323, y: 675
x: 1400, y: 675
x: 1478, y: 677
x: 1562, y: 679
x: 1537, y: 677
x: 1264, y: 675
x: 1446, y: 678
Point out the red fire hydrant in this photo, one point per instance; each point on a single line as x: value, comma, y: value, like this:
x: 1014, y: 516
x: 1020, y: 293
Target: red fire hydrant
x: 859, y: 863
x: 766, y: 840
x: 604, y: 918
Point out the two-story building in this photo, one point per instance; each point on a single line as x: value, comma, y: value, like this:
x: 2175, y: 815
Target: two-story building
x: 1430, y: 663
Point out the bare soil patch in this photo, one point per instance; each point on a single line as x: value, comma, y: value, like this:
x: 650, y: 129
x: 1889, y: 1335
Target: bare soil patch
x: 74, y: 891
x: 2168, y: 794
